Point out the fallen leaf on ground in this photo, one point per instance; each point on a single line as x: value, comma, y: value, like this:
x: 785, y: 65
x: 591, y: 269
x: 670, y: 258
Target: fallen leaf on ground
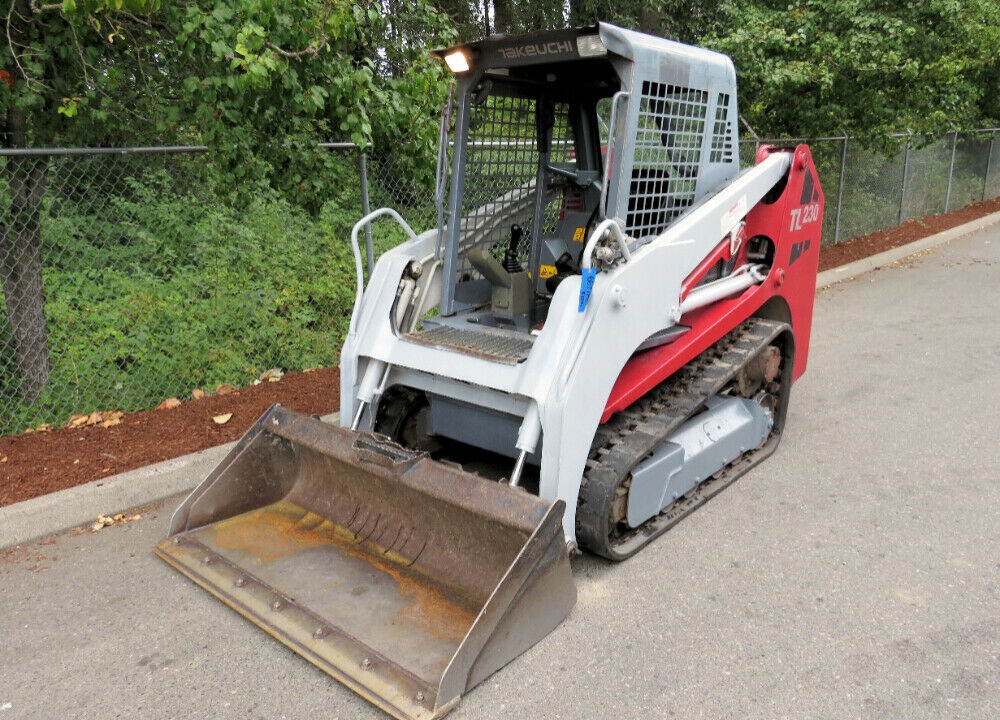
x: 224, y: 389
x: 272, y: 375
x: 110, y: 419
x: 104, y: 521
x: 3, y: 458
x: 104, y: 419
x: 169, y: 404
x: 222, y: 419
x: 197, y: 394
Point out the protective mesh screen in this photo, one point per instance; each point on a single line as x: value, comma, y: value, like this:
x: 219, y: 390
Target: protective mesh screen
x: 501, y: 174
x: 671, y: 125
x: 722, y: 133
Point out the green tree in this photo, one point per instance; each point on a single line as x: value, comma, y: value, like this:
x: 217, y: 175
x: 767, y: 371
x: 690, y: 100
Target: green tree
x: 40, y: 102
x: 863, y: 68
x: 259, y: 81
x: 683, y: 20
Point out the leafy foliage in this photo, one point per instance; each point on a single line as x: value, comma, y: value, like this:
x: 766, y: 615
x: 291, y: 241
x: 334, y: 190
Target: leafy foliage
x: 157, y: 293
x: 863, y: 68
x: 259, y: 81
x: 684, y: 20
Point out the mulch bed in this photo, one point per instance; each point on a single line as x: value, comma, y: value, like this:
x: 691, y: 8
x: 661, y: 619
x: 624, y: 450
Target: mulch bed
x: 867, y: 245
x: 43, y: 462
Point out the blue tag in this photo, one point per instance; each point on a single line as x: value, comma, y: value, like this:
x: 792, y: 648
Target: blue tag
x: 586, y: 285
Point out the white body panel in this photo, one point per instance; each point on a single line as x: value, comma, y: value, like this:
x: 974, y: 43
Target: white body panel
x: 577, y: 357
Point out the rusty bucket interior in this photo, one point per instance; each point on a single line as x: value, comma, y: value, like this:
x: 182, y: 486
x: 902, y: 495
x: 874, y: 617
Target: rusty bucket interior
x: 407, y: 579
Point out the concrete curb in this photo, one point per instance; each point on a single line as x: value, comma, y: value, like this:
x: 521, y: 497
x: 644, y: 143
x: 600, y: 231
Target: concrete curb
x: 44, y: 515
x: 32, y: 519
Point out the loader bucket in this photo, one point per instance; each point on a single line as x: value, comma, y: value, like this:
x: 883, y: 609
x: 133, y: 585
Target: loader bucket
x: 408, y: 580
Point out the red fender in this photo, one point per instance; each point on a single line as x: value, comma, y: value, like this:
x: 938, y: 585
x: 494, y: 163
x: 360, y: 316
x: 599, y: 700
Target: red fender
x: 794, y: 223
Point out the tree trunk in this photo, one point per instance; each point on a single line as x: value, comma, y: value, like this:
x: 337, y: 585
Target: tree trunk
x: 581, y: 13
x: 21, y: 263
x: 501, y: 16
x: 651, y: 20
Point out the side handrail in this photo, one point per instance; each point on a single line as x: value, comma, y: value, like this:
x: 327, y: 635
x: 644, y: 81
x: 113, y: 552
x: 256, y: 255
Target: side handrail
x: 356, y: 248
x: 612, y: 123
x: 587, y: 271
x: 596, y: 236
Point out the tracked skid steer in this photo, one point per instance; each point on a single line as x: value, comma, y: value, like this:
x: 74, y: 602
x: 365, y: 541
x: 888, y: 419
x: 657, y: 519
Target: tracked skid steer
x: 601, y: 333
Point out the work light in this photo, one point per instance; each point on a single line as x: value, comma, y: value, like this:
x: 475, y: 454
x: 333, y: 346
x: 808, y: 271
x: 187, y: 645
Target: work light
x: 457, y: 62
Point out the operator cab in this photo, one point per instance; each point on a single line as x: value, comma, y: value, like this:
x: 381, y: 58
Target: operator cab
x: 526, y: 172
x: 551, y: 134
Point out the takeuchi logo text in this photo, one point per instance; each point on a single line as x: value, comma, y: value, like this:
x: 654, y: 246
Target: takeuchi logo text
x: 526, y: 51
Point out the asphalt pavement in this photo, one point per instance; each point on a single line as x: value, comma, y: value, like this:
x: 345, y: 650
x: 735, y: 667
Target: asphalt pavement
x: 854, y: 574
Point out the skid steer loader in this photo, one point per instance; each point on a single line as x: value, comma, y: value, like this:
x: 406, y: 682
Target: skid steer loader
x: 601, y: 332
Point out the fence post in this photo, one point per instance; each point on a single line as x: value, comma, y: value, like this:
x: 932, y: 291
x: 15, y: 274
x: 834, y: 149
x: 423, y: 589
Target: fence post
x: 906, y: 171
x: 365, y: 210
x: 840, y: 192
x: 989, y: 163
x: 951, y: 170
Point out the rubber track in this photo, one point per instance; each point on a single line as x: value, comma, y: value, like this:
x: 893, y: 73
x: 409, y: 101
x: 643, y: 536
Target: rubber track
x: 632, y: 434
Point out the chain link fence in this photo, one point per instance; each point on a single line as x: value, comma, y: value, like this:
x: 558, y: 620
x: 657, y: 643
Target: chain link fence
x: 383, y: 183
x: 867, y: 191
x: 126, y: 280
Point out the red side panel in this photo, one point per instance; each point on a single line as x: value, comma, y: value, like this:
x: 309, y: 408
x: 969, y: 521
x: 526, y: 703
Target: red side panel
x: 794, y: 224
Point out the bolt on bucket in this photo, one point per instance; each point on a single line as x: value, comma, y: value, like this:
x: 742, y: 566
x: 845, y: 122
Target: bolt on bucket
x: 408, y: 580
